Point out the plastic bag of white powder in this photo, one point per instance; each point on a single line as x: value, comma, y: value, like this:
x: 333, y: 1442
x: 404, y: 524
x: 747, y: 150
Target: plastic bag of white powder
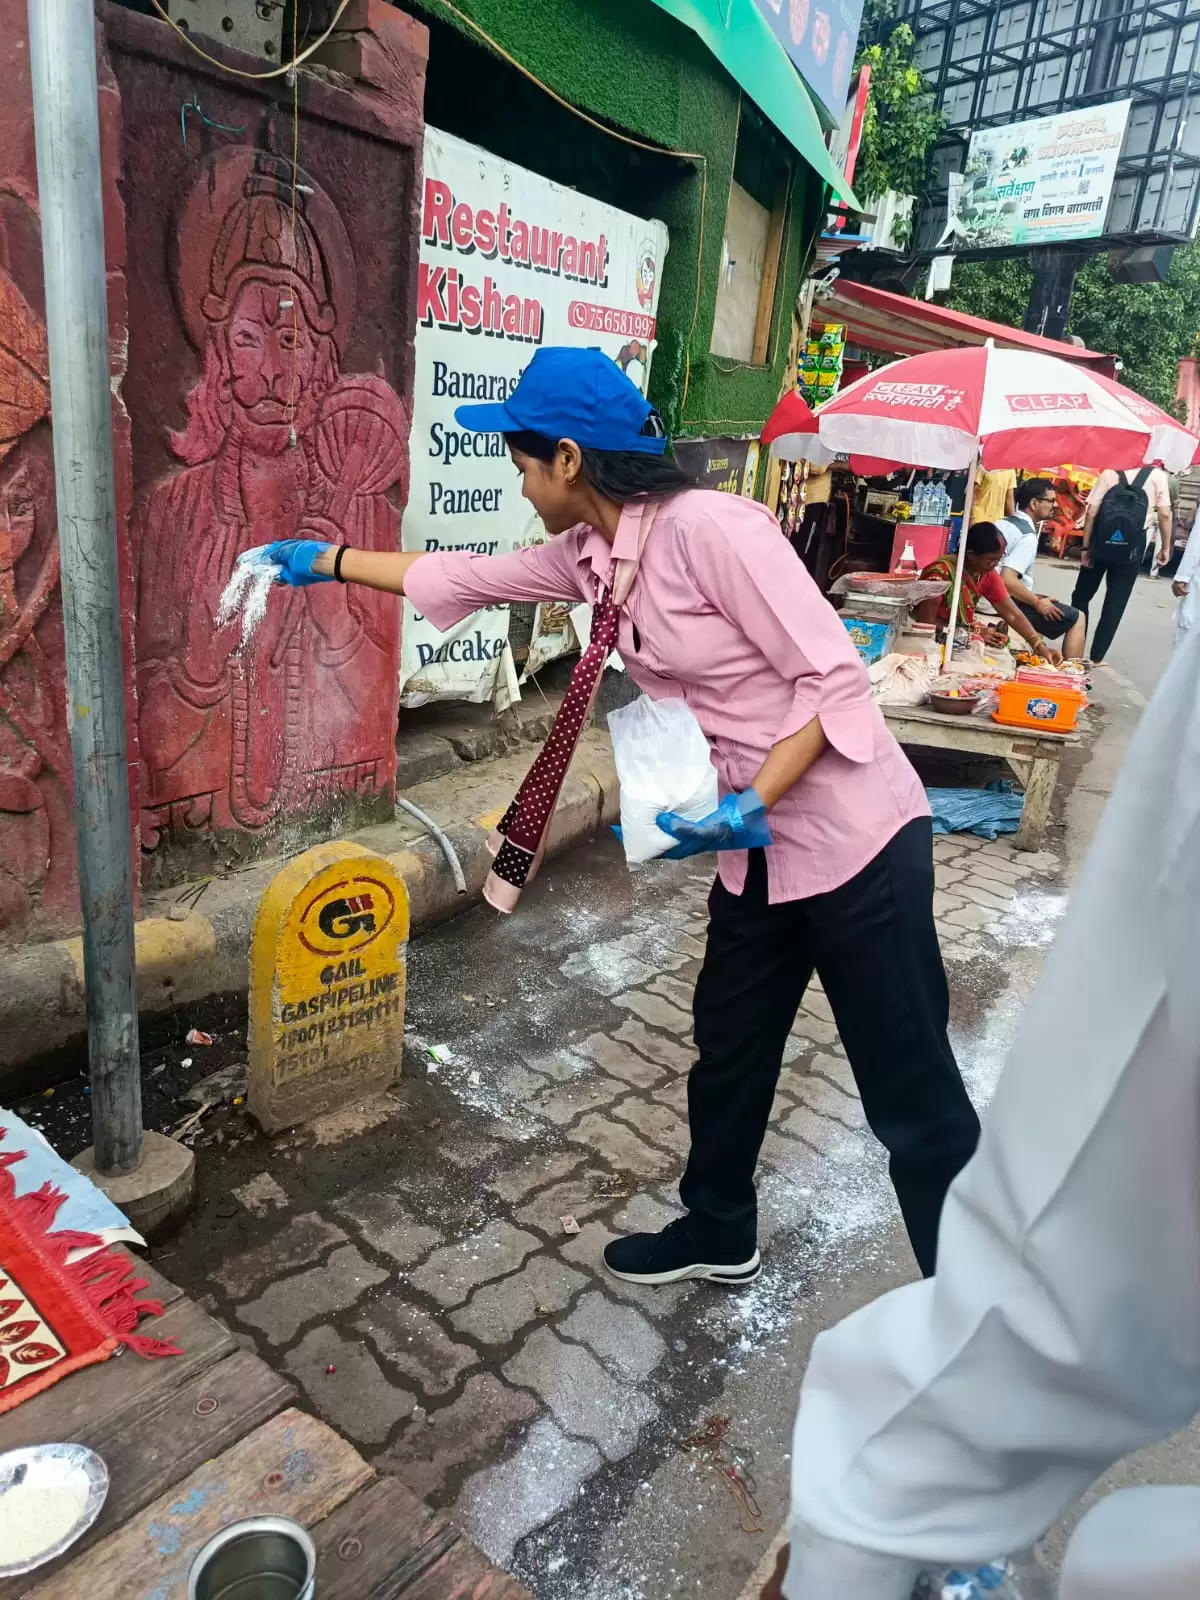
x: 663, y: 763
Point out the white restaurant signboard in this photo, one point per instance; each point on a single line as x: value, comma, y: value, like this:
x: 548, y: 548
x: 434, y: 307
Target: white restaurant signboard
x: 509, y: 262
x: 1038, y: 182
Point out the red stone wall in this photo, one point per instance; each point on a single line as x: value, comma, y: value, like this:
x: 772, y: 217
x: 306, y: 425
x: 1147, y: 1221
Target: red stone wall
x: 262, y: 390
x: 269, y: 390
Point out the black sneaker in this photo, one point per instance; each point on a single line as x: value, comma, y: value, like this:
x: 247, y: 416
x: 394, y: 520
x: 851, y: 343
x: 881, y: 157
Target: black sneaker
x: 675, y: 1254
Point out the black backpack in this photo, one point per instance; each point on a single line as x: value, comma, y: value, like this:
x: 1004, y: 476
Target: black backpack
x: 1119, y: 532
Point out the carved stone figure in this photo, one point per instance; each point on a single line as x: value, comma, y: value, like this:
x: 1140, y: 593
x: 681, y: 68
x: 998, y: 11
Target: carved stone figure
x: 279, y: 443
x: 36, y: 845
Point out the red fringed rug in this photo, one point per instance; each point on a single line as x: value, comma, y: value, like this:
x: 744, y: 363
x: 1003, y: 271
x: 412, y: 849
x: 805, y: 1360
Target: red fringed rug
x: 57, y: 1316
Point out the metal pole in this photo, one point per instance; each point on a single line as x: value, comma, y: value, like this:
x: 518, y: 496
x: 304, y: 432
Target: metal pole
x: 961, y: 562
x: 1054, y: 272
x: 1105, y: 42
x: 62, y: 49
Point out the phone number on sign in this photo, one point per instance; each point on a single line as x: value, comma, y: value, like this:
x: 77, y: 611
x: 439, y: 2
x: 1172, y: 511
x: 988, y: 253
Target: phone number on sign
x: 606, y: 319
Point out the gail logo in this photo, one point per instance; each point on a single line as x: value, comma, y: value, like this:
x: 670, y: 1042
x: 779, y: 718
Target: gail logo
x: 341, y: 918
x: 1049, y: 402
x: 346, y: 917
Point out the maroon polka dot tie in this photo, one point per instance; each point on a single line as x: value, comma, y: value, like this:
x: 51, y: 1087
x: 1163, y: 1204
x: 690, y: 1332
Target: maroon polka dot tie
x: 521, y: 835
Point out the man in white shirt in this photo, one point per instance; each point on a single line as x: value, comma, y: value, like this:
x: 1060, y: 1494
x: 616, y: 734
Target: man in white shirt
x: 1158, y: 515
x: 1119, y: 580
x: 1054, y: 619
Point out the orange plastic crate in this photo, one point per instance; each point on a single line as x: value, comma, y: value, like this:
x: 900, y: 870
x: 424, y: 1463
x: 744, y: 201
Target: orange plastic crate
x: 1035, y: 705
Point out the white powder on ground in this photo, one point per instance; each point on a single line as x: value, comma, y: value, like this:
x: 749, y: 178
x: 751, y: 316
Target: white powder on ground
x: 35, y: 1517
x: 246, y: 593
x: 1032, y: 919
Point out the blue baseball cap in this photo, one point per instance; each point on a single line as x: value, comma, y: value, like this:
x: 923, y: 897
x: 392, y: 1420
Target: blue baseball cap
x: 567, y: 393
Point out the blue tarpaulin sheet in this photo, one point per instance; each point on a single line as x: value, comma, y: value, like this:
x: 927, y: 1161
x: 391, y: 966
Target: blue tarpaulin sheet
x: 987, y: 812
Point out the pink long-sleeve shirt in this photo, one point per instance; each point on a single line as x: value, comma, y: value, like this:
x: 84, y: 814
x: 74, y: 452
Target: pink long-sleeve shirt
x: 724, y: 616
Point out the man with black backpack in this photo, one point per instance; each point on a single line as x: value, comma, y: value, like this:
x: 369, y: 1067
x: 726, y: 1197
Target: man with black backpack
x: 1124, y: 511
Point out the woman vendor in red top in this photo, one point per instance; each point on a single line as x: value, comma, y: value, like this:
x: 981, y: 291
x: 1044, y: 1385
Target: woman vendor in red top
x: 981, y: 581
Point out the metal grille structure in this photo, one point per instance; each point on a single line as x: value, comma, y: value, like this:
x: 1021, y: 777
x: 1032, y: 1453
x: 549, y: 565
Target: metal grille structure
x: 995, y: 62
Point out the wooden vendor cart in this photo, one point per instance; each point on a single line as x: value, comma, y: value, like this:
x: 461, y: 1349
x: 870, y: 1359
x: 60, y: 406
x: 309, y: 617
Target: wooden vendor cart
x: 200, y: 1440
x: 1032, y: 756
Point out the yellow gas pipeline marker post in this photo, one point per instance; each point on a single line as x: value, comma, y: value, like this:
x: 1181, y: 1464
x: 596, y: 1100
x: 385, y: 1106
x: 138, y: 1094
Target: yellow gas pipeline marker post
x: 327, y: 975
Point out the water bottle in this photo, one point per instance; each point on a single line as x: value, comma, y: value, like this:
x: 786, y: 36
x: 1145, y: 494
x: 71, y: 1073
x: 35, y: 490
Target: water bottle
x: 920, y: 502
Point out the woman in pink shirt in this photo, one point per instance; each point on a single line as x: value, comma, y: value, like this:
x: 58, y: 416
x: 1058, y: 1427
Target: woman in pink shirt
x: 825, y: 841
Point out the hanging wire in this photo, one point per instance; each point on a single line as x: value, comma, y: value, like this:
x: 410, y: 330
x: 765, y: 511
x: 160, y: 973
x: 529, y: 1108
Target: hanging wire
x: 237, y: 72
x: 624, y: 138
x: 192, y: 108
x: 469, y: 22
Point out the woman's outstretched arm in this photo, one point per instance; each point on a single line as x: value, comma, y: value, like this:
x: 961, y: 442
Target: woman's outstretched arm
x: 376, y: 569
x: 446, y: 585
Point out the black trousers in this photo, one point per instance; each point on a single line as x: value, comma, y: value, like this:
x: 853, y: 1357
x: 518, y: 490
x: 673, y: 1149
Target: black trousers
x: 874, y: 945
x: 1118, y: 586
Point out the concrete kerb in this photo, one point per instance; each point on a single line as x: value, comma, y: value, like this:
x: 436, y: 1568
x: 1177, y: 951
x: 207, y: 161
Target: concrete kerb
x: 185, y: 959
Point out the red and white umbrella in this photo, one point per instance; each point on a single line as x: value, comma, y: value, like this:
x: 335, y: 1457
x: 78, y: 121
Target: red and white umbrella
x: 944, y: 408
x: 949, y: 409
x: 1170, y: 441
x: 791, y: 432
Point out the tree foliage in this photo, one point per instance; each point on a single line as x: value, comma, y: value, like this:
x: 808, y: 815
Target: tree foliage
x: 997, y: 290
x: 1151, y: 326
x: 900, y: 122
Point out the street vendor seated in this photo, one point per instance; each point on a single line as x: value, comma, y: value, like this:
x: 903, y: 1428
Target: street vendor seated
x: 1036, y: 501
x: 981, y: 581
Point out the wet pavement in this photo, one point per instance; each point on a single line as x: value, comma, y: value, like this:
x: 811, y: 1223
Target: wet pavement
x: 1142, y: 646
x: 406, y: 1262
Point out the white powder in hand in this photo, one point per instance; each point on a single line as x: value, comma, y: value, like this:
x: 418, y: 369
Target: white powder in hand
x: 34, y: 1517
x: 246, y: 592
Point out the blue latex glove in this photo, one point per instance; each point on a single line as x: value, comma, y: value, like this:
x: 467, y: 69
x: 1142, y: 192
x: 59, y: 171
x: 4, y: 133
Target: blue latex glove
x: 738, y: 823
x: 294, y: 558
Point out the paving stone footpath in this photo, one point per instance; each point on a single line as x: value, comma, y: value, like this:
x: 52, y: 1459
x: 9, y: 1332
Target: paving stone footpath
x: 408, y: 1265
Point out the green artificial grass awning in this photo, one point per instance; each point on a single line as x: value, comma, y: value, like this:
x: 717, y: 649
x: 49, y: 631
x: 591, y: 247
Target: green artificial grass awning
x: 742, y: 41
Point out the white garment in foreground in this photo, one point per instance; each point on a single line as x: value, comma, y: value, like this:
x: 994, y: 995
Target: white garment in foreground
x: 1187, y: 607
x: 1138, y: 1544
x: 958, y: 1418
